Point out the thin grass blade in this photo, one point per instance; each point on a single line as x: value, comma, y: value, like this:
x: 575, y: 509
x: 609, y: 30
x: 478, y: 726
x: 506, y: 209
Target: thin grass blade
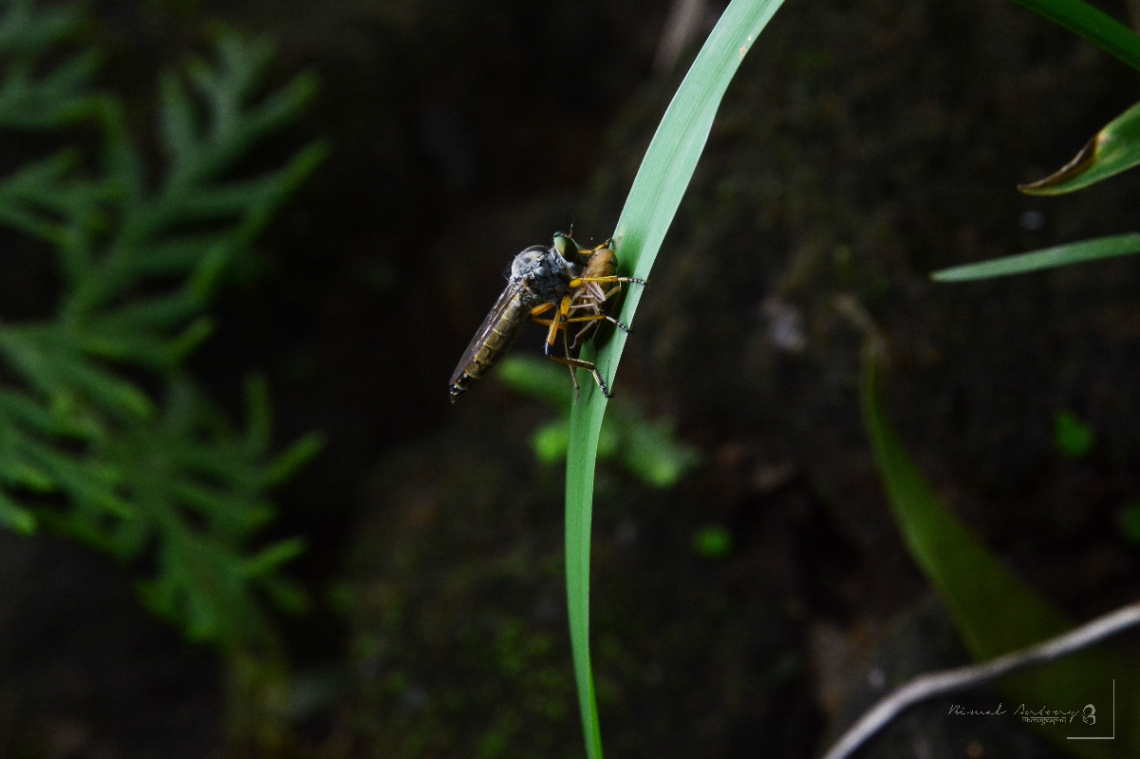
x: 653, y: 201
x: 1049, y: 258
x: 1093, y: 25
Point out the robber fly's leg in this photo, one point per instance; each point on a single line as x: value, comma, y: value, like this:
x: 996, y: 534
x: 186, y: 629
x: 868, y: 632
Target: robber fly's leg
x: 558, y: 322
x: 540, y: 310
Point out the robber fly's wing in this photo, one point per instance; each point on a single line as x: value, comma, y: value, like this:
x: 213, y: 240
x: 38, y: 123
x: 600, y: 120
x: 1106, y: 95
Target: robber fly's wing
x: 509, y: 299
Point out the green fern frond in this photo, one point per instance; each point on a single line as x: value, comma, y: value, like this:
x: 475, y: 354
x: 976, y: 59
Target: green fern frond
x: 84, y: 449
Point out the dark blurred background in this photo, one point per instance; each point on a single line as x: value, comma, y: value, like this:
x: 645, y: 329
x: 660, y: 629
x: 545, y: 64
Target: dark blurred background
x: 862, y: 145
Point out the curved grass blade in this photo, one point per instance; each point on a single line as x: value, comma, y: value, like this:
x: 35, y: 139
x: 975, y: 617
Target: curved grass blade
x: 1114, y: 149
x: 994, y: 610
x: 1049, y: 258
x: 1082, y: 19
x: 965, y: 574
x: 653, y: 200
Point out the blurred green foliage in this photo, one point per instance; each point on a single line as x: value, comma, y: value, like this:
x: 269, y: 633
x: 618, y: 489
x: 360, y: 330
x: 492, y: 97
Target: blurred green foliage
x: 103, y: 435
x: 1072, y: 437
x: 646, y: 447
x: 713, y: 541
x: 1130, y: 521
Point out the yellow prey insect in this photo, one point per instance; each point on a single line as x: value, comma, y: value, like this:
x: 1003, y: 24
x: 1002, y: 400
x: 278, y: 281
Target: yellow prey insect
x: 587, y: 305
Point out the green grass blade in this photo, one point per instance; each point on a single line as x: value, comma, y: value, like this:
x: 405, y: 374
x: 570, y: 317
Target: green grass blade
x: 653, y: 200
x: 1086, y: 21
x: 1061, y: 255
x: 967, y: 577
x: 1114, y: 149
x: 994, y: 611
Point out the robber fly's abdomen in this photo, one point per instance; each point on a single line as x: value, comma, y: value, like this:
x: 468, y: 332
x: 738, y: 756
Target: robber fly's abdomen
x: 491, y: 342
x: 499, y: 339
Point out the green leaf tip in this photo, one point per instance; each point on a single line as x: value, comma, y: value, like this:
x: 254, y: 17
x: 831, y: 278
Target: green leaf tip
x: 1114, y: 149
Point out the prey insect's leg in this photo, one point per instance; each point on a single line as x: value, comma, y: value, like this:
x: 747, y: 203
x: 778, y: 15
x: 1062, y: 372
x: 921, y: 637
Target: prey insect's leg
x: 576, y: 363
x: 596, y: 318
x: 612, y: 278
x: 573, y: 374
x: 577, y: 281
x: 558, y: 322
x: 599, y: 298
x: 590, y: 320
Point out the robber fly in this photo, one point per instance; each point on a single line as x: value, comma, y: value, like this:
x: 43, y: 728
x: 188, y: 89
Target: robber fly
x: 537, y: 280
x: 585, y: 308
x: 562, y: 278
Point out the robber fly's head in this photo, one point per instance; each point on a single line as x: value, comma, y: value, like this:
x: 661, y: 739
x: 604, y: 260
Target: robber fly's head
x: 528, y: 264
x: 537, y: 263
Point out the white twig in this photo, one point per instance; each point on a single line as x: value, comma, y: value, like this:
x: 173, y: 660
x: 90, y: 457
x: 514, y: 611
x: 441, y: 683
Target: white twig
x: 963, y: 678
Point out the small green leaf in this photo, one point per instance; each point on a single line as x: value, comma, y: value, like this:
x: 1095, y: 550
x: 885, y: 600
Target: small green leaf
x: 270, y: 559
x: 287, y: 596
x: 1049, y: 258
x: 293, y: 458
x: 16, y: 518
x: 1072, y: 437
x: 1114, y: 149
x: 179, y: 128
x: 21, y: 474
